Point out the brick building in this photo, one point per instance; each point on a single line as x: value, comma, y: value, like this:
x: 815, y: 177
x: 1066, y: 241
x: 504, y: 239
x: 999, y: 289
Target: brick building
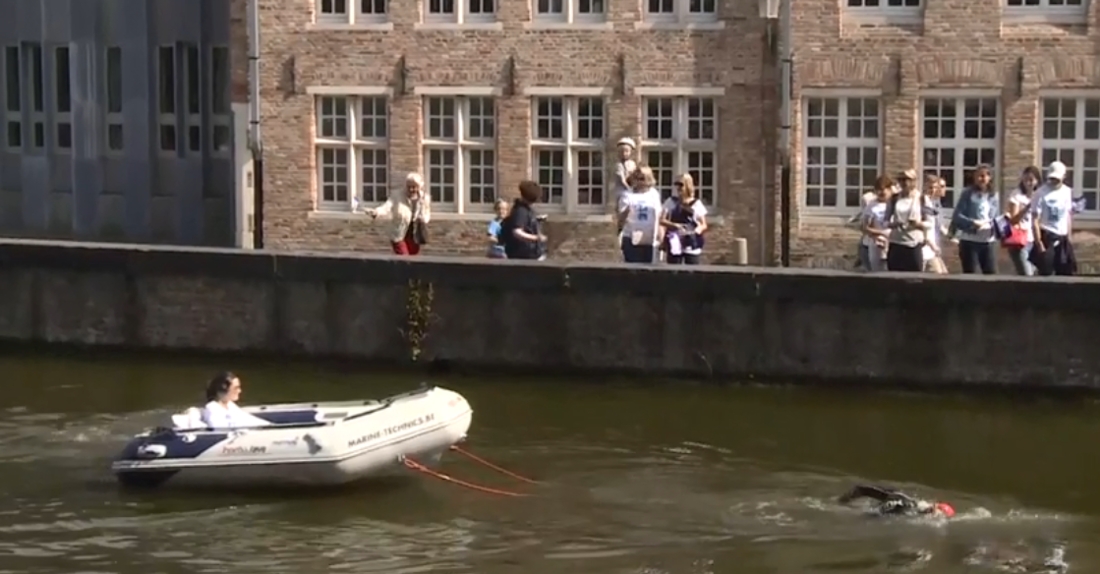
x: 939, y: 85
x: 479, y: 94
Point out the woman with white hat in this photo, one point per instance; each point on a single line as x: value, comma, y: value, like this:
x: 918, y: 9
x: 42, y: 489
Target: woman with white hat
x: 908, y: 218
x: 624, y: 167
x: 1052, y: 252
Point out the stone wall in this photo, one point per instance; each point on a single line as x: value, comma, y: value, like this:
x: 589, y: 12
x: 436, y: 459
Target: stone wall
x: 728, y: 323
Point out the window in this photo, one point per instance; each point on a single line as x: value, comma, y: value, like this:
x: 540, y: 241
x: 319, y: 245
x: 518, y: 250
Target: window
x: 33, y: 63
x: 1054, y: 11
x: 842, y: 151
x: 352, y: 141
x: 568, y: 151
x: 115, y: 141
x: 884, y: 11
x: 459, y: 152
x: 63, y: 99
x: 220, y: 108
x: 459, y: 11
x: 570, y: 11
x: 1070, y: 132
x: 193, y: 90
x: 958, y: 135
x: 352, y: 11
x: 681, y: 11
x: 166, y: 97
x: 13, y: 98
x: 680, y: 135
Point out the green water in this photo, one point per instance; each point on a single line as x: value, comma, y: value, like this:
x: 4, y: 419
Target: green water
x: 636, y: 479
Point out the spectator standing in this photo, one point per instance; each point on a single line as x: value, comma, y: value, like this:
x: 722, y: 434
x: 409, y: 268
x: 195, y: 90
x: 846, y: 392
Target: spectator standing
x: 1021, y: 235
x: 640, y: 217
x: 1052, y: 208
x: 684, y: 217
x: 876, y: 231
x: 496, y: 245
x: 521, y: 229
x: 410, y: 213
x: 972, y: 220
x: 935, y: 188
x: 908, y: 219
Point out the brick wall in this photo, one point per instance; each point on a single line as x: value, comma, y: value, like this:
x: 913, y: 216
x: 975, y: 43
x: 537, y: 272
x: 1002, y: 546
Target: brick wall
x: 297, y: 55
x: 954, y: 46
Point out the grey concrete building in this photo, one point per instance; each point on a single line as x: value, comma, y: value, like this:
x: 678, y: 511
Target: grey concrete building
x: 118, y: 121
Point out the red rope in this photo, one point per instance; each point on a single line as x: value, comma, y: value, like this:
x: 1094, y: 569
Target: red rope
x: 480, y: 460
x: 421, y: 468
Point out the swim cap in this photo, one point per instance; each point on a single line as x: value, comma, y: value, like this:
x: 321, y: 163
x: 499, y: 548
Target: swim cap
x: 945, y: 509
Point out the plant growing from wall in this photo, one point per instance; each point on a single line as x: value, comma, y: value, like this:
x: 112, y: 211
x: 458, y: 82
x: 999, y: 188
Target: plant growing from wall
x: 418, y: 316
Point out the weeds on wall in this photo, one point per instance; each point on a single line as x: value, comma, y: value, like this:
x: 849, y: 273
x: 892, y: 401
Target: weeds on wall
x: 418, y: 316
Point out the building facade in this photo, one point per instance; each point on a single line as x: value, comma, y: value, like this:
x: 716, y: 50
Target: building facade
x: 477, y: 95
x: 941, y: 86
x: 118, y: 120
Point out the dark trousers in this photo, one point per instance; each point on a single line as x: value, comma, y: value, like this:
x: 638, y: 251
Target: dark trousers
x: 977, y: 256
x: 682, y: 259
x: 904, y: 258
x: 637, y: 253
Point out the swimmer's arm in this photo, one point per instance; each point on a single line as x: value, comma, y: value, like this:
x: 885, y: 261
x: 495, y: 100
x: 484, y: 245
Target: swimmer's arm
x: 866, y: 491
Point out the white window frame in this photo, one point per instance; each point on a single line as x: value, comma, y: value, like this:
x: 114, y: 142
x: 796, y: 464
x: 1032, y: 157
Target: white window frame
x: 353, y: 15
x: 114, y: 121
x: 842, y: 142
x: 681, y: 17
x: 37, y: 92
x: 1044, y: 13
x: 353, y: 144
x: 570, y: 15
x: 1073, y: 149
x: 61, y: 118
x: 192, y: 56
x: 884, y: 13
x: 461, y: 144
x: 167, y: 119
x: 959, y: 142
x: 220, y: 104
x: 14, y: 117
x: 460, y: 17
x: 571, y: 145
x: 680, y: 146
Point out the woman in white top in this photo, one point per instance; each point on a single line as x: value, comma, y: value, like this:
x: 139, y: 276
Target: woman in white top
x: 684, y: 218
x: 640, y: 218
x: 876, y: 232
x: 410, y: 212
x: 909, y: 219
x: 1019, y: 216
x: 1051, y: 208
x: 221, y: 410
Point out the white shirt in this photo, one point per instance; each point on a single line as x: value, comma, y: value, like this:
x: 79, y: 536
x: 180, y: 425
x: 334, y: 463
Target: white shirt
x: 1024, y: 202
x: 698, y: 212
x: 1053, y: 208
x: 623, y: 169
x: 643, y: 216
x: 874, y: 214
x: 218, y: 416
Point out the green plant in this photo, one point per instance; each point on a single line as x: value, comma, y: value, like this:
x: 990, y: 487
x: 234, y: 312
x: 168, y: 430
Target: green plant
x: 418, y: 316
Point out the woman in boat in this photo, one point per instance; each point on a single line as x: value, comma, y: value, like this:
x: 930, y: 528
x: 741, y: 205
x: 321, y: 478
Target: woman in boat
x: 221, y: 410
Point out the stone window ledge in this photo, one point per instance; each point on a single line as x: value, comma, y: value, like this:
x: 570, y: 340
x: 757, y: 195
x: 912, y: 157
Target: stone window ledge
x: 334, y: 27
x: 465, y: 26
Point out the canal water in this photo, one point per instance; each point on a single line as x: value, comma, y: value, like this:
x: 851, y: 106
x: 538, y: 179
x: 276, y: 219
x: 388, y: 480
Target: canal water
x: 676, y: 478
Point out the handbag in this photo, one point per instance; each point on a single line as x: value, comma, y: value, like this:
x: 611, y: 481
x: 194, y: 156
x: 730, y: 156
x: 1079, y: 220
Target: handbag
x: 420, y: 232
x: 1010, y: 235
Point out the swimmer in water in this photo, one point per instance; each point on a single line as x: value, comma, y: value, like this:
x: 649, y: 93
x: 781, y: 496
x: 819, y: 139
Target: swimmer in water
x: 890, y: 502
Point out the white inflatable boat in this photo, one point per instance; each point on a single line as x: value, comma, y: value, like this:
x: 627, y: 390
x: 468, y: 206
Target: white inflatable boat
x: 305, y: 444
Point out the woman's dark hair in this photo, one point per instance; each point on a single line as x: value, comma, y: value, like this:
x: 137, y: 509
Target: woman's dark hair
x: 1033, y: 172
x: 530, y: 191
x: 219, y: 385
x: 884, y: 182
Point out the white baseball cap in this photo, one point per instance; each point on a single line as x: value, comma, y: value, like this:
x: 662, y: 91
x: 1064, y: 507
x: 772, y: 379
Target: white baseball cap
x: 626, y: 141
x: 1056, y: 170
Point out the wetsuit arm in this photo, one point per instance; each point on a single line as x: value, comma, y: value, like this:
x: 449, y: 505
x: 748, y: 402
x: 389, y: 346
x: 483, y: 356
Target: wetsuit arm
x: 875, y: 493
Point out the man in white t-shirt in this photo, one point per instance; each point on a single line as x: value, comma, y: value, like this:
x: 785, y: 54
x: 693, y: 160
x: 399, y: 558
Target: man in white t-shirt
x: 640, y: 218
x: 1052, y: 210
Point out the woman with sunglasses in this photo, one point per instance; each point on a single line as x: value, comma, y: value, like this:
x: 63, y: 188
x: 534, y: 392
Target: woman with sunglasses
x: 685, y: 222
